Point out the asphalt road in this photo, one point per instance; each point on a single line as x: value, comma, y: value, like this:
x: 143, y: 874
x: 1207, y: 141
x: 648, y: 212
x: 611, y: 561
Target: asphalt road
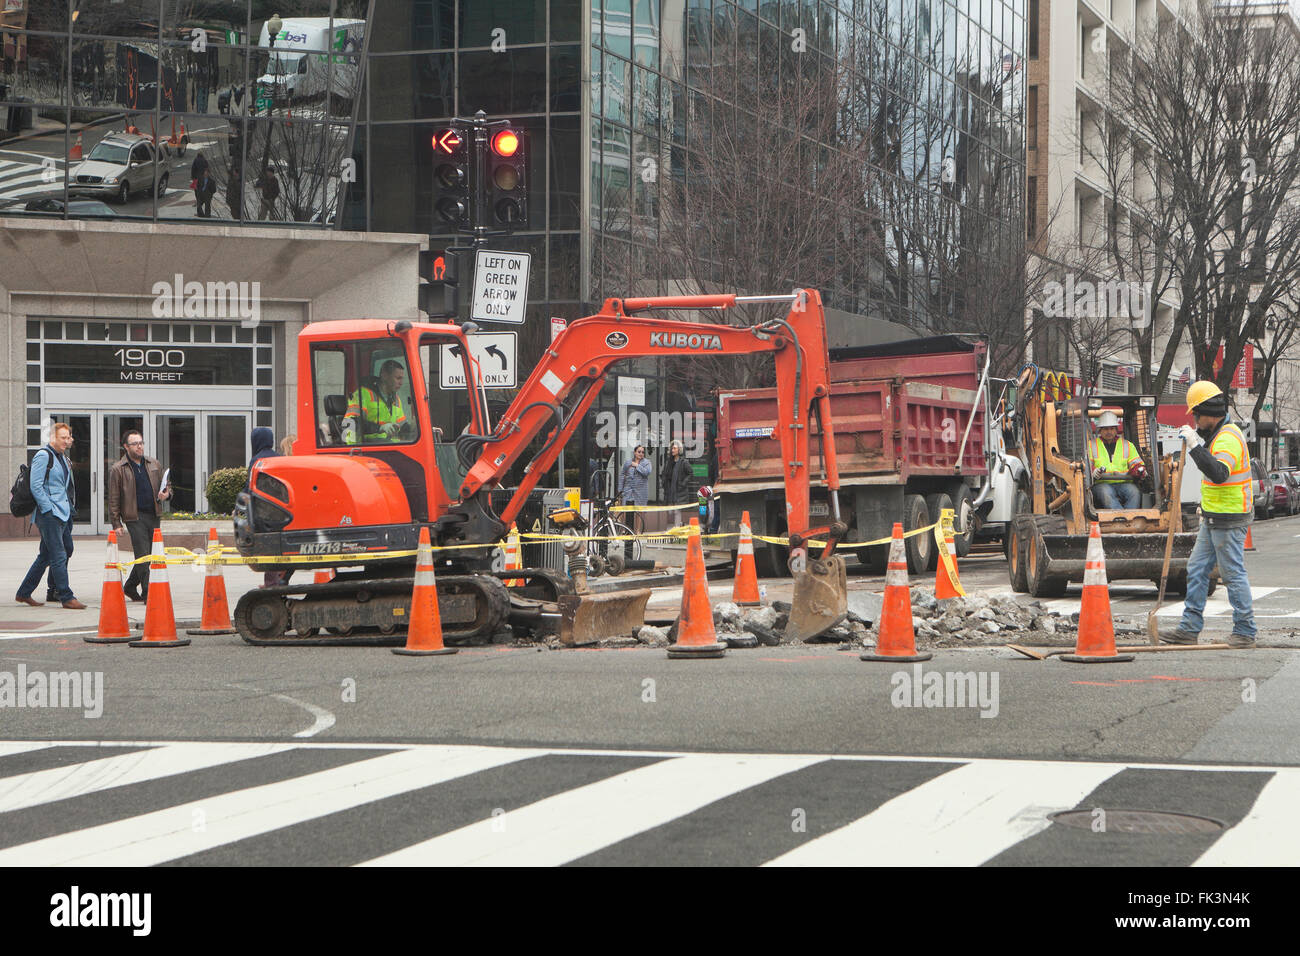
x: 530, y: 731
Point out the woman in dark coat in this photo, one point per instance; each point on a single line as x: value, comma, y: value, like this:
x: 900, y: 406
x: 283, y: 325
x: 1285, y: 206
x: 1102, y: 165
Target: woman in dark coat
x: 677, y: 475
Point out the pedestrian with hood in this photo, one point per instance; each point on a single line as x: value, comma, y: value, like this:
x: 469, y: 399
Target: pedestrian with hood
x: 1227, y: 508
x: 263, y: 441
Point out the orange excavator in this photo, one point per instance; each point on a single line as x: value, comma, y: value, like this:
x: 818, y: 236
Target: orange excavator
x: 372, y: 468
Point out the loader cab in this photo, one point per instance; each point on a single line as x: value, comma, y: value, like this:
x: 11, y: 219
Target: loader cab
x: 1078, y: 435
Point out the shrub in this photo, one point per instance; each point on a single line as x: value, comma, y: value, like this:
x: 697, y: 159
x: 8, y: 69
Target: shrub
x: 223, y: 486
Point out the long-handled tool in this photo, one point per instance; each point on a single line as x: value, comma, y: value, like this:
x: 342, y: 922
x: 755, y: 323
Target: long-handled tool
x: 1175, y: 522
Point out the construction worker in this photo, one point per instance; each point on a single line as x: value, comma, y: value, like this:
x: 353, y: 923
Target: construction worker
x: 378, y: 412
x: 1113, y: 458
x: 1227, y: 507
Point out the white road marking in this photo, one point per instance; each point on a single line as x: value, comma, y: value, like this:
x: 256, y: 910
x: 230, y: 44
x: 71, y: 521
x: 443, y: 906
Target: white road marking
x: 961, y: 818
x: 163, y: 835
x: 324, y: 719
x: 1217, y: 607
x: 580, y: 821
x: 1267, y: 836
x: 21, y: 747
x: 120, y: 770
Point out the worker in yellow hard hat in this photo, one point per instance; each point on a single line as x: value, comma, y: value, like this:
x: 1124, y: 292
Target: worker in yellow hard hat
x: 1227, y: 507
x: 1114, y: 460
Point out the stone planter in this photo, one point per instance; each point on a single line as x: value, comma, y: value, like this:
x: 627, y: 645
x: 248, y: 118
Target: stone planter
x: 193, y: 533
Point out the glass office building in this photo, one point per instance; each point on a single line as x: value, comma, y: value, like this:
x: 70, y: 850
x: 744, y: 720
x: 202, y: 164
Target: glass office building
x: 627, y: 103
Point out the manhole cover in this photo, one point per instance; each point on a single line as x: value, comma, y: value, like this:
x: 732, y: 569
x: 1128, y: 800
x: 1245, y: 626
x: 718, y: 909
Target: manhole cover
x: 1136, y: 821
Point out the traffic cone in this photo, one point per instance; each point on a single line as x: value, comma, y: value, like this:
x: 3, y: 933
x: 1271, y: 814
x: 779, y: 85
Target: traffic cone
x: 895, y: 635
x: 1250, y: 545
x: 745, y: 591
x: 512, y: 555
x: 216, y: 612
x: 424, y: 633
x: 75, y: 154
x: 695, y: 634
x: 159, y: 619
x: 1096, y: 641
x: 114, y: 628
x: 947, y: 583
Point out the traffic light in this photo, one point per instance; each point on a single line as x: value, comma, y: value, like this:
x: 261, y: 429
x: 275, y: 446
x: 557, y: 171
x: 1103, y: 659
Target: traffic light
x: 451, y: 203
x: 507, y: 183
x: 439, y: 277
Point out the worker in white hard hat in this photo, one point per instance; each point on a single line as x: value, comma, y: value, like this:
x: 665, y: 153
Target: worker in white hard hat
x: 1115, y: 462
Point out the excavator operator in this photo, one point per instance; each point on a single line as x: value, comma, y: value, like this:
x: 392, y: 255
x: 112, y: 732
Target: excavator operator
x: 378, y: 410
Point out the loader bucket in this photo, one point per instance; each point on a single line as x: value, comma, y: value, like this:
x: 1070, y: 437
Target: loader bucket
x: 588, y: 618
x: 821, y: 598
x: 1128, y: 556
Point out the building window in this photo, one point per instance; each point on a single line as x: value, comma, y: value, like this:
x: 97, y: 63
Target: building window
x: 1031, y: 207
x: 1033, y: 29
x: 1031, y: 118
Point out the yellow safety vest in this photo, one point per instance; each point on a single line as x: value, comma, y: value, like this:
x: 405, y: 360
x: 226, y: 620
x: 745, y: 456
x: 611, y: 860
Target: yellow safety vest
x: 374, y: 413
x: 1236, y: 496
x: 1125, y: 455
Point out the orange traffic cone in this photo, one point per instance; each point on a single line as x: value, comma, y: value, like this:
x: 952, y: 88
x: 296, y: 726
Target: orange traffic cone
x: 1250, y: 545
x: 512, y: 556
x: 216, y: 612
x: 895, y: 635
x: 745, y: 591
x: 75, y: 154
x: 424, y: 633
x: 159, y: 619
x: 114, y: 628
x: 947, y: 584
x: 1096, y: 642
x: 695, y: 634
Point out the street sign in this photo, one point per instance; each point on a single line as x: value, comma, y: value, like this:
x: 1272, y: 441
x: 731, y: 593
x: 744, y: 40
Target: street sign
x: 631, y: 391
x: 495, y: 352
x: 557, y: 326
x: 500, y: 286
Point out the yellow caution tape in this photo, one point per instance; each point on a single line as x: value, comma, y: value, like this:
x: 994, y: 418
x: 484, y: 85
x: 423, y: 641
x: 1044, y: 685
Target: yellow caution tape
x: 942, y: 528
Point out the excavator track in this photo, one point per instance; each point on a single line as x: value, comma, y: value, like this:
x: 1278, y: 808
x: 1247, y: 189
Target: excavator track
x: 369, y: 612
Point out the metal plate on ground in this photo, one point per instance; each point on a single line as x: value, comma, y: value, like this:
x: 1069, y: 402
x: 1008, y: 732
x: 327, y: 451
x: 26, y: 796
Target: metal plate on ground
x: 1138, y: 821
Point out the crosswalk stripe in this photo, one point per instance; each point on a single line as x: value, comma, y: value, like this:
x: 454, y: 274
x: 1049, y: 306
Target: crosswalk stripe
x: 961, y: 818
x: 22, y: 747
x: 166, y: 834
x: 558, y: 829
x: 1270, y: 833
x: 120, y: 770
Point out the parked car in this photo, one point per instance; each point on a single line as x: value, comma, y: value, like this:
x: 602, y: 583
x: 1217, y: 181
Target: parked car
x: 1265, y: 498
x: 1286, y: 491
x: 120, y: 165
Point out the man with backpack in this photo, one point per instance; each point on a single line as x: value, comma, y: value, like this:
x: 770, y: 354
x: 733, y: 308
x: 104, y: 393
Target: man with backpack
x: 56, y: 498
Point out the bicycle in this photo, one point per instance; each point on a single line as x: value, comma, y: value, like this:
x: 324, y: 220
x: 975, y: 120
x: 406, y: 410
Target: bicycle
x: 605, y: 525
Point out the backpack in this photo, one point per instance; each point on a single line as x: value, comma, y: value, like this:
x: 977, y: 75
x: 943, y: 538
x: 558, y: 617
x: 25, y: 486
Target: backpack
x: 21, y: 500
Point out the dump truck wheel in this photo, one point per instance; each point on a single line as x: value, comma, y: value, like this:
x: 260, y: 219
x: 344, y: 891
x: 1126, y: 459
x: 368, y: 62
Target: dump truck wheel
x: 935, y: 504
x: 1040, y: 583
x: 965, y: 517
x: 919, y: 547
x: 1019, y: 529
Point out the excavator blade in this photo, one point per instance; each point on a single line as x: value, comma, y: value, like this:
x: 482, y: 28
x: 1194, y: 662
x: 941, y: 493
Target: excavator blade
x: 821, y: 598
x: 588, y: 618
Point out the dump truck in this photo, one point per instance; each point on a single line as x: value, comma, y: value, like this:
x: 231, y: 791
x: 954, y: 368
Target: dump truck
x: 1055, y: 440
x: 910, y: 439
x: 375, y: 463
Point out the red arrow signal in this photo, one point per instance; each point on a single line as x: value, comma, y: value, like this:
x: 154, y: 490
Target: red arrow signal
x: 448, y: 141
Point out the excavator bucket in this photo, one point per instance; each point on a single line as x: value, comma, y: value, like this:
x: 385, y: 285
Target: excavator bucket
x: 821, y: 598
x: 590, y: 617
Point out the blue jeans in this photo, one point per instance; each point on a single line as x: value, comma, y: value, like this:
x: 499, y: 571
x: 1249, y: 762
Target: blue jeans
x: 56, y: 549
x: 1226, y: 546
x: 1119, y: 494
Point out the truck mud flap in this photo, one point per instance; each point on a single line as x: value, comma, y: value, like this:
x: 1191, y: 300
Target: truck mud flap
x: 587, y: 618
x: 821, y: 598
x: 1127, y: 555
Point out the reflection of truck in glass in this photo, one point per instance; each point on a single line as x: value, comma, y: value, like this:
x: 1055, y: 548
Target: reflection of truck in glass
x: 312, y: 55
x: 903, y: 447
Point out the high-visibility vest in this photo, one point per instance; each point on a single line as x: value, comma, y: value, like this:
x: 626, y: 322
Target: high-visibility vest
x: 1236, y: 496
x: 1125, y: 455
x: 374, y: 412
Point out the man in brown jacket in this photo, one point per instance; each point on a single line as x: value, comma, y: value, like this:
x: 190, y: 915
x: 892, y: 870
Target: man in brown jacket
x: 134, y: 488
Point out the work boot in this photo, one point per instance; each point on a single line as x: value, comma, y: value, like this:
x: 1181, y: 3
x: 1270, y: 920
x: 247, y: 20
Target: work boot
x: 1178, y: 636
x: 1241, y: 641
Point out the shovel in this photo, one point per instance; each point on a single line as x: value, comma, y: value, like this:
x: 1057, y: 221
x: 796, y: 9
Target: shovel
x: 1175, y: 521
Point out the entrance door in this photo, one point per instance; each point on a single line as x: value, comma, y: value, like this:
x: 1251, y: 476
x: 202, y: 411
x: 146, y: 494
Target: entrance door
x: 226, y: 441
x: 85, y: 478
x: 176, y: 448
x: 115, y: 426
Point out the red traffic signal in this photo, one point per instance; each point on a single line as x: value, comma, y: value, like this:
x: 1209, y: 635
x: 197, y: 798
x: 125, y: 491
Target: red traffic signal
x: 505, y: 143
x: 447, y: 140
